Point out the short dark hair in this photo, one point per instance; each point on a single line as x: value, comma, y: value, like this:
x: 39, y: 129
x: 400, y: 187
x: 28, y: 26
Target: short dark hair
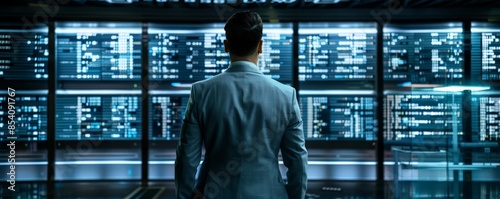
x: 243, y: 32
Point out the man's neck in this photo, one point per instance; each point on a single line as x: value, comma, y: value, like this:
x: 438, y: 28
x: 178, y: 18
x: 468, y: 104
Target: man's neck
x: 253, y: 59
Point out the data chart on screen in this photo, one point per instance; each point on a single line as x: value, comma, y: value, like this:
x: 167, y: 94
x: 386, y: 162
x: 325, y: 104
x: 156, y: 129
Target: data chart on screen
x: 338, y: 117
x: 337, y: 51
x: 433, y: 116
x: 189, y: 53
x: 423, y: 53
x: 30, y: 117
x: 98, y: 51
x: 24, y: 54
x: 485, y: 117
x: 166, y: 115
x: 98, y: 117
x: 485, y: 51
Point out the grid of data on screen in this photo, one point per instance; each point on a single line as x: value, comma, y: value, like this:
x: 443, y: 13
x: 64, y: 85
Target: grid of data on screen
x: 195, y: 52
x: 485, y: 51
x: 98, y: 54
x: 423, y: 56
x: 166, y: 116
x: 421, y: 116
x: 98, y: 117
x: 338, y: 117
x: 30, y: 118
x: 486, y: 117
x: 336, y: 52
x: 24, y: 54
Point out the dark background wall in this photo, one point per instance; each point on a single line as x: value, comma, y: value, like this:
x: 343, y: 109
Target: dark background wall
x: 384, y: 11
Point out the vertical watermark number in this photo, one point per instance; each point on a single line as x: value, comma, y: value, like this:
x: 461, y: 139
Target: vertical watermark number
x: 11, y: 138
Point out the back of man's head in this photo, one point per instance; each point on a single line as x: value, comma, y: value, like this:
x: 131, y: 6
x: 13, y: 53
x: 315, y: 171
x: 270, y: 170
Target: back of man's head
x: 243, y: 33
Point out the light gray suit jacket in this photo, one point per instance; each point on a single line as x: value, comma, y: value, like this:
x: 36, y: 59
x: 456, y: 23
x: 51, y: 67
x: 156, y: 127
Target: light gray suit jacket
x: 243, y: 119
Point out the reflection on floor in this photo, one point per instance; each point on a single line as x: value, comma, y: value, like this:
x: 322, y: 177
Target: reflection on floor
x: 316, y: 190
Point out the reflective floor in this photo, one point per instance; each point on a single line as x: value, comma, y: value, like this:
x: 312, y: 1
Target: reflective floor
x: 316, y: 190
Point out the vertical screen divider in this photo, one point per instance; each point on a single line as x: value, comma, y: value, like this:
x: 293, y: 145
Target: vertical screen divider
x: 466, y: 25
x: 295, y: 58
x: 467, y: 110
x: 145, y: 106
x: 51, y: 110
x: 380, y: 102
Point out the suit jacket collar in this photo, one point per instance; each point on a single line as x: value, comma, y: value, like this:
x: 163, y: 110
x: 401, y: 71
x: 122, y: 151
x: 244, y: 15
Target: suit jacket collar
x: 243, y: 66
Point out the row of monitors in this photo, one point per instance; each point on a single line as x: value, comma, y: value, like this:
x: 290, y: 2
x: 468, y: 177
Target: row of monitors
x: 332, y: 116
x: 431, y: 53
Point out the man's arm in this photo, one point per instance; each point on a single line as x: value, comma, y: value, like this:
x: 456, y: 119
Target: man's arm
x: 294, y: 154
x: 188, y: 151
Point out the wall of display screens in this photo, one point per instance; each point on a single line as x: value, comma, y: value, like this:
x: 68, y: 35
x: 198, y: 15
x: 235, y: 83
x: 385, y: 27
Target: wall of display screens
x: 93, y: 65
x: 186, y: 53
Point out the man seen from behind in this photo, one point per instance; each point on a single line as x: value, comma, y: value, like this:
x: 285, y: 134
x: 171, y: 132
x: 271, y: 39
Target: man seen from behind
x: 243, y: 119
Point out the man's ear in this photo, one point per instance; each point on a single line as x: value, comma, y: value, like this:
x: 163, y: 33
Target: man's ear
x: 226, y: 46
x: 259, y: 47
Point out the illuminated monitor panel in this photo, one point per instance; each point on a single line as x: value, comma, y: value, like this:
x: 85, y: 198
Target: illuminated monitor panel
x: 486, y: 118
x: 189, y: 53
x: 98, y: 117
x: 338, y: 117
x: 30, y: 117
x: 424, y: 116
x: 337, y: 51
x: 166, y: 115
x: 485, y: 51
x: 23, y: 54
x: 423, y: 53
x: 98, y: 51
